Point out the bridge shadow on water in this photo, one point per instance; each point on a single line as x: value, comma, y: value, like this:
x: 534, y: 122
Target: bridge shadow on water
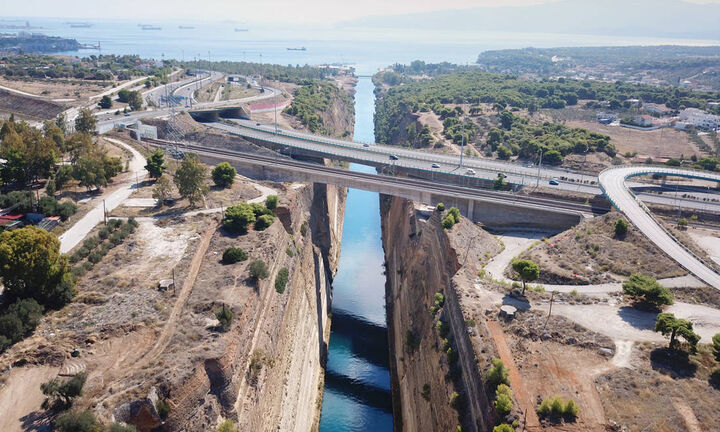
x: 364, y: 393
x: 366, y: 340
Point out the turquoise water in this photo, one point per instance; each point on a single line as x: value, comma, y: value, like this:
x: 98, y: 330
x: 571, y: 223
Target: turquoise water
x: 357, y: 380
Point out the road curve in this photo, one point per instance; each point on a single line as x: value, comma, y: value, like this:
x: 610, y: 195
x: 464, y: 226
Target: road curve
x: 612, y: 183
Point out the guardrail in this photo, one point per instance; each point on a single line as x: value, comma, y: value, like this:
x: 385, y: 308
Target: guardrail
x: 662, y: 170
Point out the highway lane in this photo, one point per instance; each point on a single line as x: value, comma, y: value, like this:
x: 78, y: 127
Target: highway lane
x: 613, y: 184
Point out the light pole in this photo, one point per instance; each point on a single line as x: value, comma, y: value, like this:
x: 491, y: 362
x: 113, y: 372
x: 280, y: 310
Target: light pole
x: 275, y: 108
x: 539, y: 165
x: 462, y: 142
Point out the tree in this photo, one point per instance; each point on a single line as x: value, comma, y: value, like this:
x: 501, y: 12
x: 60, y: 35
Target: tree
x: 258, y: 270
x: 503, y: 152
x: 264, y: 221
x: 506, y: 120
x: 498, y: 373
x: 238, y: 218
x: 124, y: 96
x: 647, y: 290
x: 106, y: 102
x: 621, y: 227
x: 499, y: 182
x: 527, y: 270
x: 190, y: 179
x: 271, y: 202
x: 31, y: 267
x: 225, y: 316
x: 135, y: 101
x: 223, y: 175
x: 85, y: 122
x: 162, y: 189
x: 281, y: 280
x: 716, y: 347
x: 503, y: 400
x: 156, y: 163
x: 77, y: 421
x: 667, y: 324
x: 61, y: 393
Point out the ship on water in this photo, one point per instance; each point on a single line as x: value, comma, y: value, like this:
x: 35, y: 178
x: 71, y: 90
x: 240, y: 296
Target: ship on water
x: 297, y: 49
x: 149, y: 27
x: 237, y: 29
x: 186, y: 27
x: 83, y: 24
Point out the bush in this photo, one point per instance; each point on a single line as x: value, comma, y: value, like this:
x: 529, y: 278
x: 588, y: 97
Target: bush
x: 498, y: 373
x: 647, y: 290
x: 95, y: 257
x: 441, y: 328
x: 77, y: 421
x: 19, y: 321
x: 60, y: 394
x: 225, y: 316
x: 223, y: 175
x: 621, y: 227
x: 304, y: 228
x: 271, y: 202
x: 440, y: 207
x: 233, y: 255
x: 65, y: 210
x: 716, y: 347
x: 238, y: 218
x: 281, y: 280
x: 571, y: 410
x: 104, y: 233
x: 448, y: 222
x: 264, y: 222
x: 503, y: 405
x: 503, y: 428
x: 258, y: 270
x: 455, y: 213
x: 163, y: 408
x: 455, y: 401
x: 227, y: 426
x: 116, y: 427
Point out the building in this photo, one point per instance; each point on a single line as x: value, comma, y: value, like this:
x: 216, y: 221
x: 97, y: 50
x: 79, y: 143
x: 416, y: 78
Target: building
x: 606, y: 118
x: 657, y: 109
x: 699, y: 118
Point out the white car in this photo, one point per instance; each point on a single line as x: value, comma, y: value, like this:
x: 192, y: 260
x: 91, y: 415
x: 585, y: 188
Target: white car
x: 470, y: 171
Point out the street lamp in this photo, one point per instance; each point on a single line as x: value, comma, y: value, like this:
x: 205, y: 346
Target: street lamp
x: 539, y: 165
x: 462, y: 142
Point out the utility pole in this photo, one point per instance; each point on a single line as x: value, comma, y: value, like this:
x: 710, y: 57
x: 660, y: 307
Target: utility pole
x: 462, y: 142
x: 538, y: 173
x: 275, y: 108
x: 104, y: 213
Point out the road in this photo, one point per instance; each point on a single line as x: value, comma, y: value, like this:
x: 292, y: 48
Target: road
x: 612, y: 181
x: 72, y: 237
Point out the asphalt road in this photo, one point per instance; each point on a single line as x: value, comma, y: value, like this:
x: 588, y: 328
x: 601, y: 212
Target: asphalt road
x: 613, y: 183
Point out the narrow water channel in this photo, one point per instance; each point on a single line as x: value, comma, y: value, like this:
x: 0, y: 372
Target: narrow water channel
x: 357, y: 393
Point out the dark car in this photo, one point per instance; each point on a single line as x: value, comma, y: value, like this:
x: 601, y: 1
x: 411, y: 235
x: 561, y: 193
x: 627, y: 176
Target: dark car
x: 394, y: 157
x: 554, y: 182
x: 435, y: 165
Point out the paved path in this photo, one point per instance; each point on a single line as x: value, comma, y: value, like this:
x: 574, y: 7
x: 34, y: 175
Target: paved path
x: 70, y: 238
x: 612, y: 182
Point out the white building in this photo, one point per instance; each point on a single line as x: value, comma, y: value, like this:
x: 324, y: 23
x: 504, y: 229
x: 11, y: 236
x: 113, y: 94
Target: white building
x: 699, y: 118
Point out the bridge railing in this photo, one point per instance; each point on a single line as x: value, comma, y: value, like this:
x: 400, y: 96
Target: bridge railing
x: 648, y: 170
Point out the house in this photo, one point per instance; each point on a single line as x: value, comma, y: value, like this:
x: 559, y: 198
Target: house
x: 606, y: 118
x: 657, y: 109
x: 633, y: 102
x: 643, y: 120
x: 699, y: 118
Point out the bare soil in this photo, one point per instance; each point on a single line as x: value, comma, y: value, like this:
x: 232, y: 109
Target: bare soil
x: 57, y: 88
x: 26, y: 107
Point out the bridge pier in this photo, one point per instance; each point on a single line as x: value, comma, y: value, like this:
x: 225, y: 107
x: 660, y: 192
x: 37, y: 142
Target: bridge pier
x: 471, y: 209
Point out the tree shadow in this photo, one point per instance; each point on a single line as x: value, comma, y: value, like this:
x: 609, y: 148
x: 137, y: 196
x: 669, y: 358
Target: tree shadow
x: 714, y: 379
x: 521, y: 303
x: 672, y: 362
x: 36, y: 421
x: 640, y: 319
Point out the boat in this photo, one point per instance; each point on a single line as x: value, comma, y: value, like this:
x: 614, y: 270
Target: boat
x: 297, y: 49
x: 150, y: 27
x: 80, y: 25
x: 186, y: 27
x: 240, y: 29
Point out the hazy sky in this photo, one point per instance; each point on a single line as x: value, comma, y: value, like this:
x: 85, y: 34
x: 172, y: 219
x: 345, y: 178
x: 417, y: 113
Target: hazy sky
x: 296, y: 11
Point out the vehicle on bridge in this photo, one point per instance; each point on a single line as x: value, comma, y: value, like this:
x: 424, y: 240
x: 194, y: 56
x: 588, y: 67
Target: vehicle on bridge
x: 394, y: 157
x: 435, y: 165
x: 470, y: 171
x: 554, y: 182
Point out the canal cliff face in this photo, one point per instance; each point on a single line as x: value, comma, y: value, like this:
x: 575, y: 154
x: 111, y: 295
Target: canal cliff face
x: 437, y: 349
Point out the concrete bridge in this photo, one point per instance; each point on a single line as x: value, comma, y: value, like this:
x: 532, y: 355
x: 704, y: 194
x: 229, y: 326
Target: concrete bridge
x: 493, y: 208
x: 215, y: 114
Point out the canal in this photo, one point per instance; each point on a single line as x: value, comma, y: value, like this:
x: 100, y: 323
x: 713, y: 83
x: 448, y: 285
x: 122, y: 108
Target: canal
x: 357, y: 394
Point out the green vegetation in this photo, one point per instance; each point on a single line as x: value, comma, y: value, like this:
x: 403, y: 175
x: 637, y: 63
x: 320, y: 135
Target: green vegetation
x: 412, y: 341
x: 314, y: 99
x: 115, y: 427
x: 156, y: 164
x: 223, y: 175
x: 503, y: 400
x: 426, y: 392
x: 18, y: 321
x: 438, y: 303
x: 527, y: 270
x: 96, y: 247
x: 440, y: 207
x: 85, y: 122
x: 646, y: 290
x: 190, y: 179
x: 621, y: 227
x: 233, y: 255
x: 668, y: 325
x: 225, y: 316
x: 291, y: 74
x: 557, y: 408
x: 227, y: 426
x: 498, y: 373
x: 504, y: 427
x: 716, y: 346
x: 271, y: 202
x: 281, y: 280
x: 451, y: 218
x: 61, y: 393
x: 163, y: 408
x: 239, y: 217
x: 106, y: 102
x: 163, y: 189
x: 258, y: 270
x: 77, y: 421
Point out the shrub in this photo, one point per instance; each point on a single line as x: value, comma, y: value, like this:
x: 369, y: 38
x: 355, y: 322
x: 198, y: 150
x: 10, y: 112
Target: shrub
x: 66, y: 209
x: 448, y: 222
x: 116, y: 427
x: 304, y: 228
x: 233, y: 255
x: 571, y: 410
x: 77, y: 421
x: 281, y: 280
x: 412, y: 342
x: 104, y: 233
x: 498, y: 373
x: 91, y: 242
x: 225, y: 316
x: 114, y: 223
x: 95, y: 257
x: 442, y: 328
x: 258, y: 270
x: 223, y: 175
x: 426, y: 392
x: 238, y: 218
x: 455, y: 401
x: 132, y: 222
x: 621, y: 227
x: 271, y: 202
x: 264, y: 222
x: 60, y: 394
x: 227, y: 426
x: 455, y: 214
x: 440, y: 207
x: 716, y: 347
x: 163, y: 408
x: 503, y: 428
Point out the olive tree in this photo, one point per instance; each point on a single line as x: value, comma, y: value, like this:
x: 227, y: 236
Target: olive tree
x: 223, y: 175
x: 668, y: 325
x: 190, y: 179
x: 527, y: 270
